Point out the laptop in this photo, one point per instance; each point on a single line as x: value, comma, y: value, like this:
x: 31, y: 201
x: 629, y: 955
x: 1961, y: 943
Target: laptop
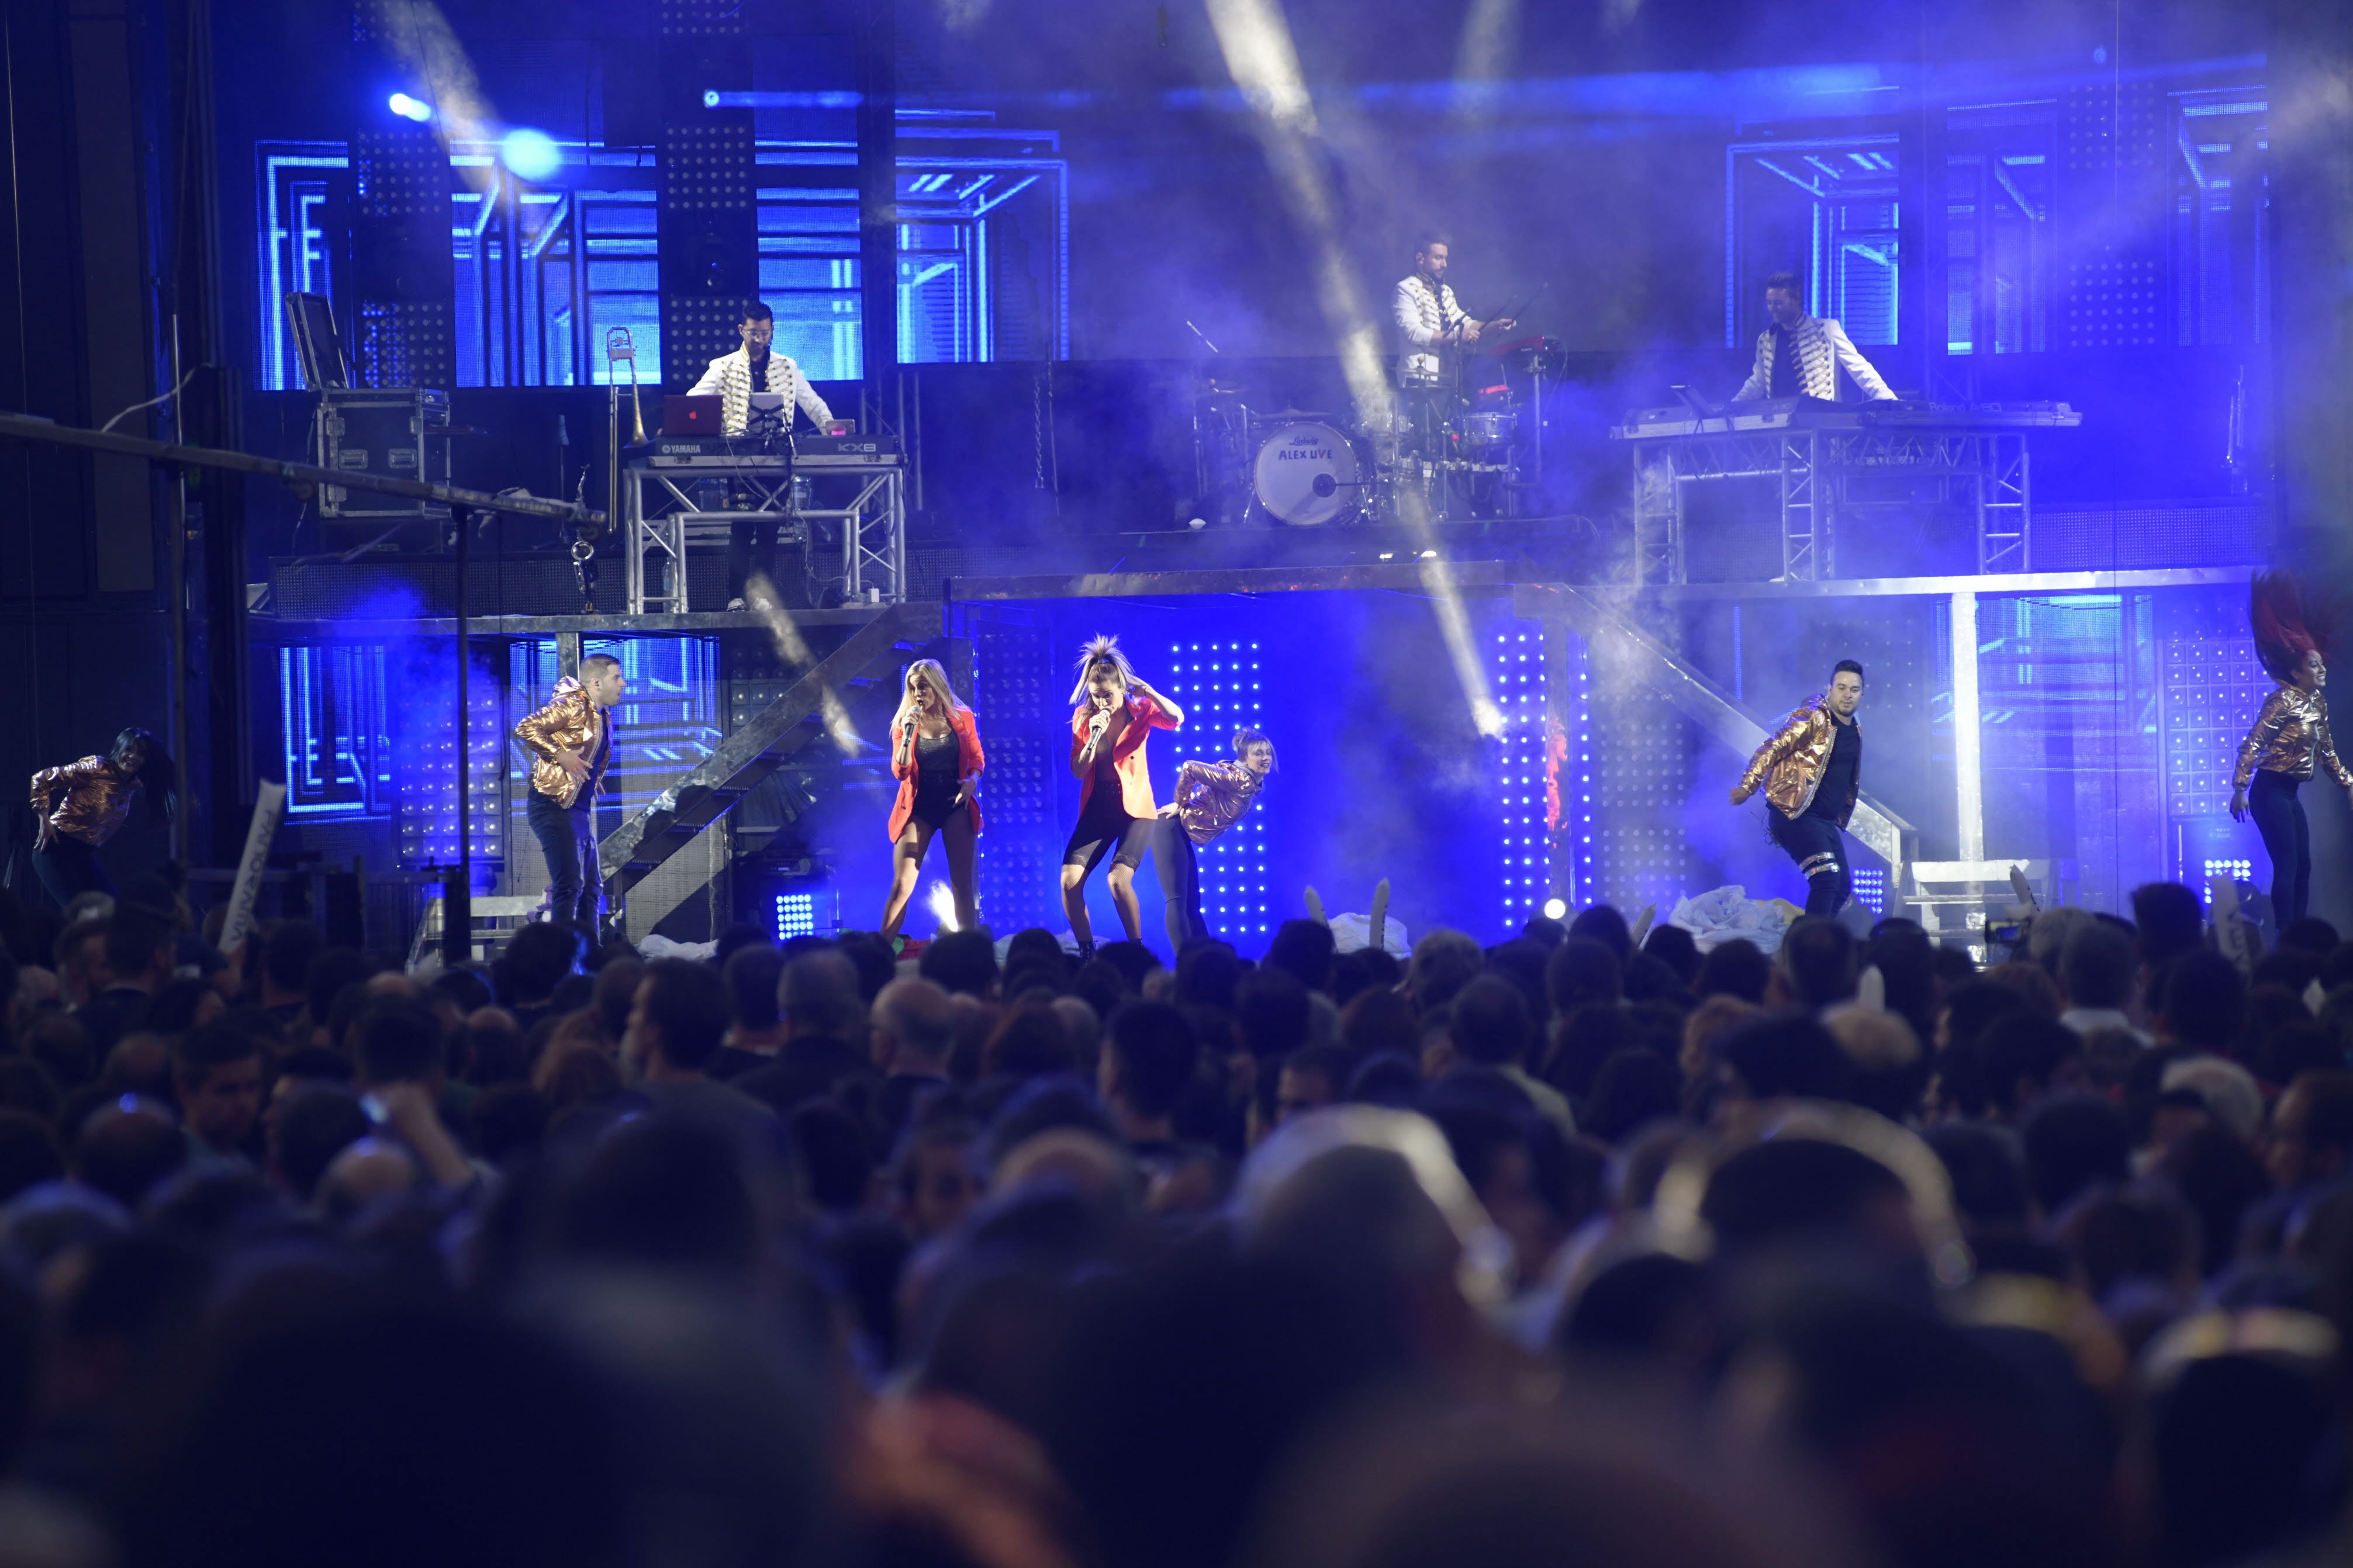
x: 768, y: 418
x: 692, y: 416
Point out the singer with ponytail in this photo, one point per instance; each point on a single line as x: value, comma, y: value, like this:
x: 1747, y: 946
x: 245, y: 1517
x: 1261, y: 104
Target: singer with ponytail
x: 1113, y: 713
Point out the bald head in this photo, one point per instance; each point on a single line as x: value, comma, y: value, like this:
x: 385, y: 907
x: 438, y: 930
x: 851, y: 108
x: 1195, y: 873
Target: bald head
x: 819, y: 997
x: 366, y: 1172
x: 915, y: 1026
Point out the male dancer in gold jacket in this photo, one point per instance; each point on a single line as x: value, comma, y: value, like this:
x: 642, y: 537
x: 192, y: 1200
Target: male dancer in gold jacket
x: 570, y: 744
x: 1811, y: 772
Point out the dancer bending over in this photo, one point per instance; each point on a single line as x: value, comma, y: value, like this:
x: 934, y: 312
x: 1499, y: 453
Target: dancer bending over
x: 1113, y: 715
x: 571, y: 746
x: 1211, y: 798
x: 2290, y: 740
x: 82, y: 804
x: 1811, y: 772
x: 935, y: 755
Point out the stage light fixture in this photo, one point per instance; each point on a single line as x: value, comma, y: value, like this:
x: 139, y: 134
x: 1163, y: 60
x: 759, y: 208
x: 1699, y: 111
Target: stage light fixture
x: 530, y: 155
x: 409, y: 108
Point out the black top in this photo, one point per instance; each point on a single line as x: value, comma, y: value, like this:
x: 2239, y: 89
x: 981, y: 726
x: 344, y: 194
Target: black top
x: 936, y: 758
x: 585, y: 800
x: 1787, y: 382
x: 759, y: 370
x: 1839, y: 772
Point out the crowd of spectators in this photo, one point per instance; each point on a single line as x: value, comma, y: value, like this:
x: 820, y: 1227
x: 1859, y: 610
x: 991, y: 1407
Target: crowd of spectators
x: 1586, y: 1248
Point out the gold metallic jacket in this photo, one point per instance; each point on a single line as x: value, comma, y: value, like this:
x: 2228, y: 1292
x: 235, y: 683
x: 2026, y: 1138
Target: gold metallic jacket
x: 97, y: 799
x: 2290, y: 737
x: 566, y: 724
x: 1789, y: 765
x: 1212, y: 798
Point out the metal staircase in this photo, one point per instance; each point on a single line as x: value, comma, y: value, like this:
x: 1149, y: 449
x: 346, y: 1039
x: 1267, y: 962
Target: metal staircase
x: 1875, y: 827
x: 678, y: 814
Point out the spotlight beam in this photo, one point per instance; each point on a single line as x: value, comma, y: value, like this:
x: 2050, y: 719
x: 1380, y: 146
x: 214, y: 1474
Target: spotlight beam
x: 1264, y: 61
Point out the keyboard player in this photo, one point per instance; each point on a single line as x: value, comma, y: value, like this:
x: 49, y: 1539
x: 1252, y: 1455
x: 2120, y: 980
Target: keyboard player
x: 1800, y: 355
x: 734, y: 377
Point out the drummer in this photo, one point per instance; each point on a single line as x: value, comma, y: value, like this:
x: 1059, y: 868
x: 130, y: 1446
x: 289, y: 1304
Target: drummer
x: 1432, y: 322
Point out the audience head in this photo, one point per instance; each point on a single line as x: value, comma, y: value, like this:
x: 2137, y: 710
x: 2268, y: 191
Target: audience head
x: 1149, y: 1061
x: 1583, y: 973
x: 218, y: 1074
x: 913, y: 1029
x: 1818, y: 959
x: 536, y: 962
x: 679, y: 1021
x: 1738, y: 968
x: 962, y: 962
x: 1490, y: 1024
x: 2170, y: 921
x: 2202, y: 999
x: 1606, y: 926
x: 819, y: 998
x: 754, y: 972
x: 399, y: 1041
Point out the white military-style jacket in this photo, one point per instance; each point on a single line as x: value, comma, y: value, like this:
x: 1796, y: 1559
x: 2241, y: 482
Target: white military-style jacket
x: 1820, y: 347
x: 1424, y: 315
x: 729, y: 376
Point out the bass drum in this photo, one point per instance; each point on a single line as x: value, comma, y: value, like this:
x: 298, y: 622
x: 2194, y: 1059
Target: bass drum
x: 1308, y: 474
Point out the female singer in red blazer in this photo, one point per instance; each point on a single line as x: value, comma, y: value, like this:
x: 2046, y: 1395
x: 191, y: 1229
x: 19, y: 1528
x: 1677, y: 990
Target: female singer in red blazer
x: 935, y: 757
x: 1114, y: 713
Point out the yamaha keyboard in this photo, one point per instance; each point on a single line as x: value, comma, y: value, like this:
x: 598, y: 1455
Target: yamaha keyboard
x: 745, y: 453
x: 1770, y: 414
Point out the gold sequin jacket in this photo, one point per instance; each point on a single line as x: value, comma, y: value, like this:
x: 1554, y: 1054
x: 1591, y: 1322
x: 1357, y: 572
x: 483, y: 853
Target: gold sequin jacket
x: 568, y: 723
x: 1789, y: 766
x: 2290, y: 737
x: 1212, y: 798
x: 97, y: 799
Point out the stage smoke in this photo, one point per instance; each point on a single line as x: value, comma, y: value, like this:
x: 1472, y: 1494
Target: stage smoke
x: 1264, y: 62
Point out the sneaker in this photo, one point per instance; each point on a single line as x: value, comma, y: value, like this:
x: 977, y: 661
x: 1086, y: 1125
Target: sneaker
x: 734, y: 604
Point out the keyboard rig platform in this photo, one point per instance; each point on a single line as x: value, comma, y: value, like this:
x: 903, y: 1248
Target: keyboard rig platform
x: 1827, y: 460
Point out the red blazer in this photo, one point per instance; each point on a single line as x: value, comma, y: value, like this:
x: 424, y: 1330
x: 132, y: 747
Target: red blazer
x: 969, y: 761
x: 1144, y: 716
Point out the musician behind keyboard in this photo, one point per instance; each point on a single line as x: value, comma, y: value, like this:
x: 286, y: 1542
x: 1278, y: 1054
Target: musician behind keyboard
x: 1800, y: 355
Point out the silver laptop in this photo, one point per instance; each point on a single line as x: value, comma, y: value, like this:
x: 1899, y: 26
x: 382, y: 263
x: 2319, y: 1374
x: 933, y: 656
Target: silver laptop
x: 768, y: 417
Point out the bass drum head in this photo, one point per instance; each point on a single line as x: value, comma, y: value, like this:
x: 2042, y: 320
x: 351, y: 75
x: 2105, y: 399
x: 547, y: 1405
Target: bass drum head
x: 1307, y: 474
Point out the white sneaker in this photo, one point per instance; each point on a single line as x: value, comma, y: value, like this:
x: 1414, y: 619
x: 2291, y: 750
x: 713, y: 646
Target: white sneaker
x: 734, y: 604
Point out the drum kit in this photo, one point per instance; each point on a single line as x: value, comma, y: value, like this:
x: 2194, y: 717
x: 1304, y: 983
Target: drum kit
x: 1464, y: 458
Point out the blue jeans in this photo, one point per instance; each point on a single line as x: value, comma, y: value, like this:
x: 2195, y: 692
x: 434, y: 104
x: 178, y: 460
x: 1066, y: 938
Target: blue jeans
x: 568, y: 839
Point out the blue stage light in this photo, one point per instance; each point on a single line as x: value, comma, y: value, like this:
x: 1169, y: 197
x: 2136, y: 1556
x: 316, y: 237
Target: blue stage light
x: 409, y: 108
x: 530, y: 155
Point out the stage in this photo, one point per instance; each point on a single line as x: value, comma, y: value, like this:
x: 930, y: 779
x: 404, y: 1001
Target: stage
x: 2087, y: 738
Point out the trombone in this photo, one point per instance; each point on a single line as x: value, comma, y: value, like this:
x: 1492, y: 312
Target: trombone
x: 619, y: 349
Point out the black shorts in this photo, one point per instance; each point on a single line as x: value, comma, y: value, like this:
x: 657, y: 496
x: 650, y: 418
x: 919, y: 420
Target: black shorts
x: 1104, y: 828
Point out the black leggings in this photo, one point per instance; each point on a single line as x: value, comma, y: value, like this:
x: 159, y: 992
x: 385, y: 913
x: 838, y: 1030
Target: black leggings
x: 1178, y: 867
x: 1818, y: 847
x: 2279, y: 818
x: 69, y: 867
